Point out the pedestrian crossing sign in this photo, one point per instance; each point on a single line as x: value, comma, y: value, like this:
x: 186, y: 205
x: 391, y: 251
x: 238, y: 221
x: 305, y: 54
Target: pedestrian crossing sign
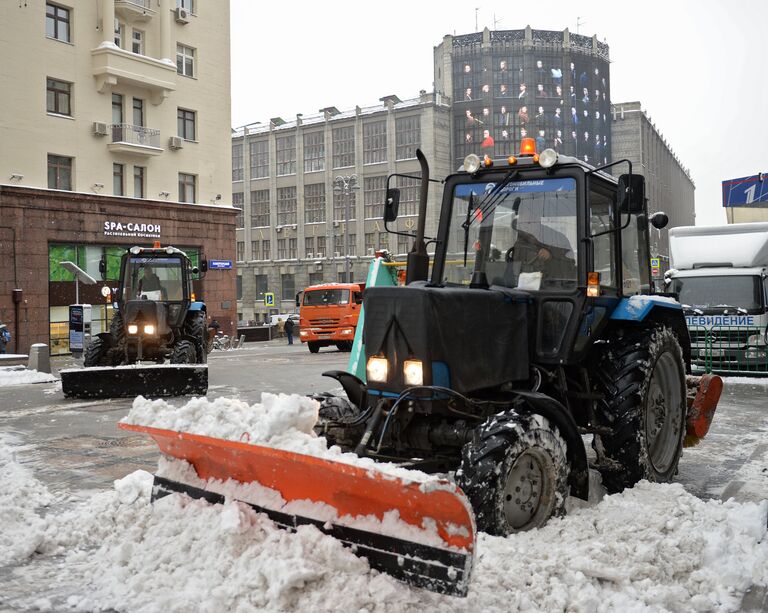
x: 269, y: 299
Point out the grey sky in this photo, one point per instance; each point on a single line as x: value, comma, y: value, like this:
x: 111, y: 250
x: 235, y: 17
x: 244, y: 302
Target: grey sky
x: 698, y: 67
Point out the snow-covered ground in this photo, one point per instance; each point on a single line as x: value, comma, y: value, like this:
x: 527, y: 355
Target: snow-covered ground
x: 651, y: 548
x: 21, y: 376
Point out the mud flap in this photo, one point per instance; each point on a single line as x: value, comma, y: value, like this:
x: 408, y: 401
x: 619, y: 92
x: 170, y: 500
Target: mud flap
x: 703, y: 396
x: 428, y: 543
x: 151, y: 381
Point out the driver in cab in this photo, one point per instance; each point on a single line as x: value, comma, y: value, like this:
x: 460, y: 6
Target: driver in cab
x: 150, y: 282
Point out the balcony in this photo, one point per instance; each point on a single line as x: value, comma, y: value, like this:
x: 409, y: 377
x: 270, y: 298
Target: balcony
x: 137, y: 140
x: 138, y: 10
x: 114, y: 66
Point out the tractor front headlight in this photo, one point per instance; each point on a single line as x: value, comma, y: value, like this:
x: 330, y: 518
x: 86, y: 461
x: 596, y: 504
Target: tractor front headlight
x: 149, y: 329
x: 414, y: 372
x: 133, y: 329
x: 376, y: 369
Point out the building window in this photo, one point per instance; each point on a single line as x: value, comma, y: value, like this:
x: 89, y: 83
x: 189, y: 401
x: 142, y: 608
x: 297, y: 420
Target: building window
x: 186, y: 124
x: 119, y: 33
x: 138, y: 112
x: 118, y: 179
x: 293, y: 248
x: 343, y: 147
x: 186, y: 4
x: 374, y: 142
x: 409, y: 195
x: 286, y: 206
x: 309, y: 246
x: 282, y: 251
x: 59, y: 97
x: 320, y: 247
x: 266, y: 250
x: 374, y: 193
x: 340, y: 205
x: 59, y: 172
x: 314, y: 152
x: 338, y: 243
x: 185, y: 60
x: 57, y: 23
x: 139, y: 190
x: 260, y: 208
x: 117, y: 109
x: 370, y: 243
x: 262, y: 287
x: 314, y: 203
x: 259, y: 159
x: 240, y: 251
x: 286, y: 155
x: 315, y: 278
x: 187, y: 187
x: 407, y: 137
x: 237, y: 162
x: 288, y: 287
x: 402, y: 244
x: 238, y: 203
x: 239, y: 287
x: 137, y: 42
x: 383, y: 240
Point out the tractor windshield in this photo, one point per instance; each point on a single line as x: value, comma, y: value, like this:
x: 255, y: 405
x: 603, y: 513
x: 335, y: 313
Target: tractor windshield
x: 522, y: 234
x: 154, y: 278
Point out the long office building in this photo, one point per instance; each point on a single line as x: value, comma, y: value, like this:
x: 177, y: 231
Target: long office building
x: 308, y: 187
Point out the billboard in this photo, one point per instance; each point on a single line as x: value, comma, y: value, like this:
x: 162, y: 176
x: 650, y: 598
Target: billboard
x: 746, y: 191
x: 561, y: 100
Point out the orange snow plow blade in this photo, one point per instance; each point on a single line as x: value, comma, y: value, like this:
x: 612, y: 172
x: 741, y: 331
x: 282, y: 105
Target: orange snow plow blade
x: 703, y: 396
x: 431, y: 546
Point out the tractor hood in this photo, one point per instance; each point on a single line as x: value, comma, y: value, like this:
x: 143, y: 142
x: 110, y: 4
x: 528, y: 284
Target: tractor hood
x: 467, y: 339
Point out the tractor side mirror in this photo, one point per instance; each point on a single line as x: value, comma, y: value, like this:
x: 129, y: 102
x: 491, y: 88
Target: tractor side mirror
x: 391, y: 204
x: 298, y: 298
x: 659, y: 220
x: 103, y: 267
x: 195, y: 270
x: 631, y: 194
x: 358, y: 297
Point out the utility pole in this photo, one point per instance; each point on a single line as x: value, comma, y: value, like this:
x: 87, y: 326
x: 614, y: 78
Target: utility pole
x: 579, y: 23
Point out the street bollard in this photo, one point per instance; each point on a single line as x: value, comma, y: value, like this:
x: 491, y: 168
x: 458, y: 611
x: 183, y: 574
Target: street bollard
x: 39, y: 358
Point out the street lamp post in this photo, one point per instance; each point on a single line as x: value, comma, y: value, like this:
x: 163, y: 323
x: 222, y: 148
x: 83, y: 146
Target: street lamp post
x: 344, y: 186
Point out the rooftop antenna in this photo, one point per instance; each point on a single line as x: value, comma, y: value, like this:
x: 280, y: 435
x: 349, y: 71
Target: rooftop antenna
x: 579, y: 23
x: 476, y: 9
x: 496, y: 22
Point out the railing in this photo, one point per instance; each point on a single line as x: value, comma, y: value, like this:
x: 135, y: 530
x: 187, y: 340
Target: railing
x: 135, y: 135
x: 729, y: 350
x: 143, y: 4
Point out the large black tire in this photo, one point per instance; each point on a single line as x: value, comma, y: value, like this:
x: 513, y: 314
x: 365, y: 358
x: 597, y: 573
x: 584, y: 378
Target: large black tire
x: 97, y: 353
x: 184, y: 353
x: 314, y: 347
x: 345, y: 346
x: 641, y: 376
x: 117, y: 330
x: 195, y: 327
x: 515, y: 473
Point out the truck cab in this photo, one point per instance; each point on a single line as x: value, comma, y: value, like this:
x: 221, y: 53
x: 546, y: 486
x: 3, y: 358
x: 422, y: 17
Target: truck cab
x: 720, y: 274
x: 328, y: 314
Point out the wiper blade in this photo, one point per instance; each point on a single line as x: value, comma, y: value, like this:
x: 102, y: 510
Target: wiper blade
x: 466, y: 224
x: 493, y: 197
x: 726, y: 307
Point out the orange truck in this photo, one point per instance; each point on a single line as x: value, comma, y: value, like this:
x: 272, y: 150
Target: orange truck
x: 328, y: 314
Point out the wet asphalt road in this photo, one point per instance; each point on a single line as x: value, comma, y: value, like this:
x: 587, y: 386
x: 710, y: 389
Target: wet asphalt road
x: 75, y: 445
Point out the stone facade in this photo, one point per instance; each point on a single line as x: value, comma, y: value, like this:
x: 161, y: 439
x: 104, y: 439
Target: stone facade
x: 33, y: 219
x: 668, y: 184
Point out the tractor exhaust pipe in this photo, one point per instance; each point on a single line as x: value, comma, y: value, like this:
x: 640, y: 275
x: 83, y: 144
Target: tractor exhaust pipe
x: 418, y: 260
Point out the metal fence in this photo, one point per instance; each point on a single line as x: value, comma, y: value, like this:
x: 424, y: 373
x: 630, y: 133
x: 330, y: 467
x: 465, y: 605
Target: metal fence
x: 729, y: 350
x: 135, y: 135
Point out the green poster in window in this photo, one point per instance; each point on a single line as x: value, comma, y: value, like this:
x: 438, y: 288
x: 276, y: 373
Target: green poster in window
x: 56, y: 255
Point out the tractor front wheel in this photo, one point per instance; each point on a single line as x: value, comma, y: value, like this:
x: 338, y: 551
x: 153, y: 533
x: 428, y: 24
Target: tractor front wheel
x: 641, y: 377
x: 97, y: 353
x: 184, y: 353
x: 195, y: 327
x: 515, y: 473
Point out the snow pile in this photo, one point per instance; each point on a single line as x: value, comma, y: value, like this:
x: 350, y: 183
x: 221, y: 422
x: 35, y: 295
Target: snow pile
x: 654, y: 547
x: 21, y: 530
x: 284, y: 421
x: 23, y: 376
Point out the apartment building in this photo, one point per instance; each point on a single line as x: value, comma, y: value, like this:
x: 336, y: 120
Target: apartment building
x: 115, y: 130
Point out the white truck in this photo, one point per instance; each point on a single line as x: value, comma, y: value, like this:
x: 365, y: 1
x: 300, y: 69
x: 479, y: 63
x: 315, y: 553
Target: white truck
x: 720, y: 274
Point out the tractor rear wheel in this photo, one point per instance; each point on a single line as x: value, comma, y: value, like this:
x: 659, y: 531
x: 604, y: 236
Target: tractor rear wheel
x: 515, y: 473
x: 97, y: 353
x: 641, y: 376
x: 184, y: 353
x: 314, y: 347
